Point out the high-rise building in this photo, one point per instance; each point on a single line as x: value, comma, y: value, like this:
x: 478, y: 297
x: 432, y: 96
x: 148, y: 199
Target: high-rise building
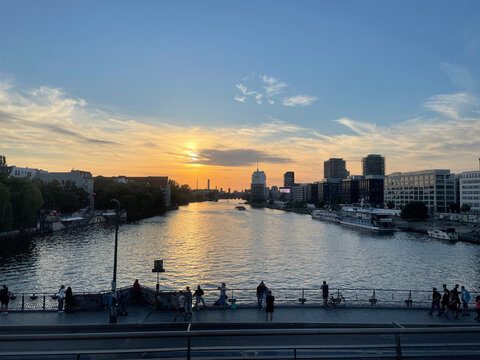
x: 350, y: 189
x: 469, y: 190
x: 335, y: 169
x: 373, y: 164
x: 371, y: 189
x: 330, y: 191
x: 435, y: 188
x: 289, y: 179
x: 257, y: 189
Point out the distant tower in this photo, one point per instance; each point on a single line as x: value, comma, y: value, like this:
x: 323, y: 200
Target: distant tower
x: 257, y: 189
x: 334, y: 168
x: 289, y: 179
x: 208, y: 184
x: 373, y: 164
x: 197, y: 184
x: 3, y: 160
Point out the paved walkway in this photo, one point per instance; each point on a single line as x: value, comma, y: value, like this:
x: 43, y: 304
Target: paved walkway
x: 311, y: 315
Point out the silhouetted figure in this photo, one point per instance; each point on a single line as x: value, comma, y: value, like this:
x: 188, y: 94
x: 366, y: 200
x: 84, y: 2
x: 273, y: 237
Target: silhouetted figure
x: 223, y: 295
x: 69, y: 300
x: 199, y: 297
x: 270, y: 307
x: 436, y: 298
x: 261, y: 288
x: 61, y: 298
x: 188, y: 301
x: 136, y: 292
x: 4, y: 299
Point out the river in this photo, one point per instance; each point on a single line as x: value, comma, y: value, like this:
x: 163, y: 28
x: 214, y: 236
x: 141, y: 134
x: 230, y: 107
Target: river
x: 209, y: 243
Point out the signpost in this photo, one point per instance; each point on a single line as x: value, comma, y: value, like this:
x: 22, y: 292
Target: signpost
x: 158, y: 268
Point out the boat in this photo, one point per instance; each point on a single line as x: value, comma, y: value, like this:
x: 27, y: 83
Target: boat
x: 241, y: 208
x: 326, y: 215
x: 379, y: 220
x: 444, y: 234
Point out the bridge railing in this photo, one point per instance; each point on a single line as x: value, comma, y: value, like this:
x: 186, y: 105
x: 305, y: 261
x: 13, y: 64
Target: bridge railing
x: 396, y: 343
x: 244, y: 296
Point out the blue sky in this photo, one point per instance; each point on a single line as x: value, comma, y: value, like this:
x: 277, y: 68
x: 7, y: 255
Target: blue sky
x: 184, y: 63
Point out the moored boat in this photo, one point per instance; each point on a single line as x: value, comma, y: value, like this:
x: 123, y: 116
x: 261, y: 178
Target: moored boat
x: 326, y: 215
x: 241, y: 208
x: 444, y: 234
x: 379, y: 220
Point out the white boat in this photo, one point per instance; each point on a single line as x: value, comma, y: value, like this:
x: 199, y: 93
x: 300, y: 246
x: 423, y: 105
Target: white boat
x: 326, y: 215
x: 444, y: 234
x: 241, y: 208
x: 379, y: 220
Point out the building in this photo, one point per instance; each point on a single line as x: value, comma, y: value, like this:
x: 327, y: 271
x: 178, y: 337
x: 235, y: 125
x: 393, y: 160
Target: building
x: 330, y: 191
x: 335, y: 169
x: 312, y: 193
x: 469, y: 186
x: 350, y: 189
x: 289, y: 179
x: 81, y: 179
x: 371, y: 190
x: 435, y: 188
x: 160, y: 181
x: 257, y: 189
x: 373, y: 165
x: 19, y: 172
x: 208, y: 184
x: 299, y: 193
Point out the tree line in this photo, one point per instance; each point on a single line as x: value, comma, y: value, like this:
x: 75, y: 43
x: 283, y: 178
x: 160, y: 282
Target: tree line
x: 21, y: 200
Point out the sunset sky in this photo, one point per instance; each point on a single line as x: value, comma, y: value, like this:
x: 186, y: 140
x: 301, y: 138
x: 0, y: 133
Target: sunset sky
x: 202, y: 89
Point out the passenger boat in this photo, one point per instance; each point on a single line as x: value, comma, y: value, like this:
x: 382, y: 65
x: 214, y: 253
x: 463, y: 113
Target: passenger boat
x: 444, y: 234
x: 241, y: 208
x: 379, y: 220
x: 326, y: 215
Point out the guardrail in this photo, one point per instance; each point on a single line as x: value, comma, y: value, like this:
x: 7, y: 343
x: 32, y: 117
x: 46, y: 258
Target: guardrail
x: 370, y: 343
x: 243, y: 296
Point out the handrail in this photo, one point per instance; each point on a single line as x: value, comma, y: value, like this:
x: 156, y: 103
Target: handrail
x: 241, y: 332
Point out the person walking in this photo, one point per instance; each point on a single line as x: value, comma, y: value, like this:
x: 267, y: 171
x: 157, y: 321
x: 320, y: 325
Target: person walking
x: 445, y: 297
x: 456, y: 294
x: 465, y: 294
x: 69, y: 300
x: 436, y: 297
x: 270, y: 307
x: 477, y: 307
x: 324, y: 288
x: 199, y: 297
x: 61, y: 298
x: 136, y: 294
x: 260, y: 294
x: 453, y: 304
x: 4, y: 299
x: 223, y: 296
x: 188, y: 301
x: 180, y: 305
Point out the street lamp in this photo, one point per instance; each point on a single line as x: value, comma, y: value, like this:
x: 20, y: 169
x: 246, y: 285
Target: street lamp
x: 113, y: 306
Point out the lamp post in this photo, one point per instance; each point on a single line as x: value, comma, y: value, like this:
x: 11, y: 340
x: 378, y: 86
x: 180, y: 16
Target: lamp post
x: 113, y: 307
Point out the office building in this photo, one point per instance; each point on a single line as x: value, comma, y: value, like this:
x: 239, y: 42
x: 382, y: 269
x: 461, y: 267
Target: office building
x: 373, y: 165
x: 299, y: 192
x: 350, y: 189
x: 469, y: 186
x: 335, y: 169
x: 289, y: 179
x: 330, y: 191
x: 257, y: 189
x: 312, y: 193
x: 435, y: 188
x: 371, y: 190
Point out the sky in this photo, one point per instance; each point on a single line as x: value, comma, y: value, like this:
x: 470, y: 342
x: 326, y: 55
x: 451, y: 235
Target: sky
x: 199, y: 90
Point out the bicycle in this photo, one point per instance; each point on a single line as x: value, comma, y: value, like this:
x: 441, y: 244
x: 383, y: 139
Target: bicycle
x: 333, y: 302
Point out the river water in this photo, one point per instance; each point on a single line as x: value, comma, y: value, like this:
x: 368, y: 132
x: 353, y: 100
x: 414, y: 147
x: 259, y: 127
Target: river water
x: 209, y: 243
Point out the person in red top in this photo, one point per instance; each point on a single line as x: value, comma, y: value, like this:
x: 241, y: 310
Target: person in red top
x: 136, y: 293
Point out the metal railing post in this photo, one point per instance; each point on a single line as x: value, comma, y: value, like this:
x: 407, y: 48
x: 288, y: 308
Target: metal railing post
x: 295, y: 354
x: 398, y: 347
x: 188, y: 349
x: 43, y: 301
x: 23, y: 302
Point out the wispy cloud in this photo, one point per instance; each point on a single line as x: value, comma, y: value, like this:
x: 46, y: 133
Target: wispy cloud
x: 236, y: 157
x: 299, y: 100
x: 272, y: 86
x: 450, y: 105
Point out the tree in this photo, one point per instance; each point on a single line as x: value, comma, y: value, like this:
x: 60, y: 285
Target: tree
x: 465, y: 208
x: 390, y: 204
x: 454, y: 208
x: 415, y: 210
x: 6, y: 213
